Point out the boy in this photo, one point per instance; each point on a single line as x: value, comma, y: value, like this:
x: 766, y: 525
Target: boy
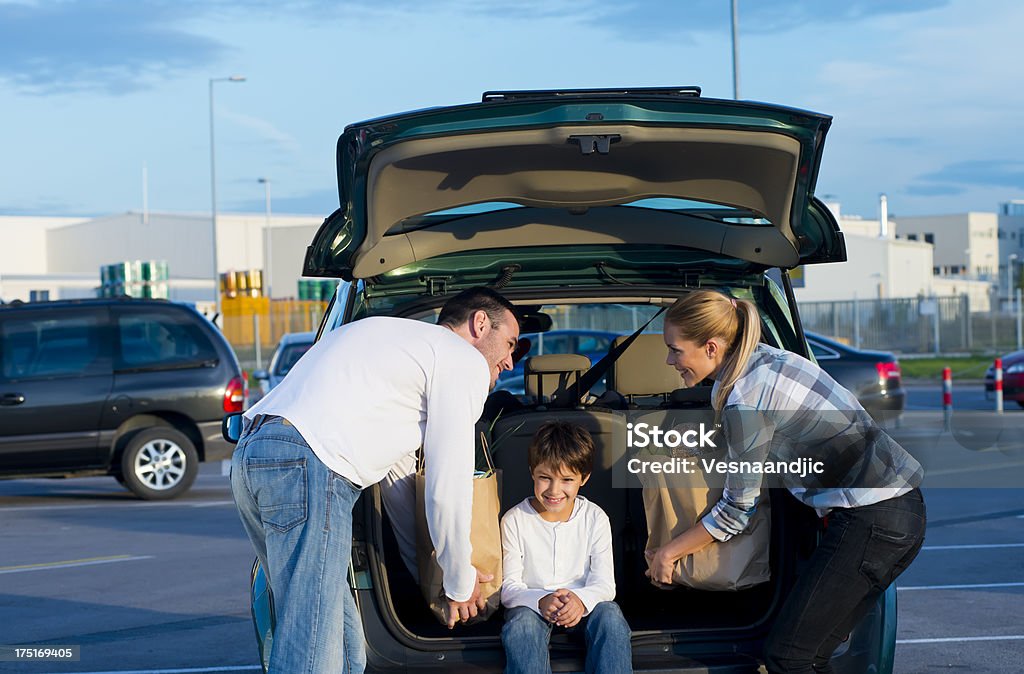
x: 557, y: 561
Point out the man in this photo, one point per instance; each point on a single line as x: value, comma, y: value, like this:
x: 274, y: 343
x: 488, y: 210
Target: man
x: 361, y: 400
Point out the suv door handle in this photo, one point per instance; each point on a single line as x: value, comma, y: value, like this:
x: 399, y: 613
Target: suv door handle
x: 12, y: 399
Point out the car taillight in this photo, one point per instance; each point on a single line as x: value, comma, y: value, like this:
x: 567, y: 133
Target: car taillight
x: 887, y: 371
x: 234, y: 395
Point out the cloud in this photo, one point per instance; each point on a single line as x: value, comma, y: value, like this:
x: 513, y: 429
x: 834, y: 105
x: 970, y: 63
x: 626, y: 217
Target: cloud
x: 933, y: 190
x: 643, y: 20
x: 101, y: 45
x: 985, y: 173
x: 264, y: 129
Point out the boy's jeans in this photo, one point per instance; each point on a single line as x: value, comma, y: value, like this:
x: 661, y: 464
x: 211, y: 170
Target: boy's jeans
x: 298, y: 515
x: 526, y: 635
x: 862, y: 552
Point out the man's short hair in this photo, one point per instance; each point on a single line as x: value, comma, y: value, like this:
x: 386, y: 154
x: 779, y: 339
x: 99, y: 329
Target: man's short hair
x: 461, y: 308
x: 561, y: 444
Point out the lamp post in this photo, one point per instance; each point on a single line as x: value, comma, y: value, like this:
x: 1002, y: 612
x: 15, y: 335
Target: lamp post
x: 267, y: 257
x: 1009, y: 281
x: 213, y: 191
x: 735, y: 50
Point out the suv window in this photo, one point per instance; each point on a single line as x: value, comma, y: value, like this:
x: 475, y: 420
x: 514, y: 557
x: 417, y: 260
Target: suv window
x: 158, y: 340
x: 47, y: 345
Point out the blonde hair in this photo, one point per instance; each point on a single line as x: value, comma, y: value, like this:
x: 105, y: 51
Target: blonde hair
x: 704, y: 314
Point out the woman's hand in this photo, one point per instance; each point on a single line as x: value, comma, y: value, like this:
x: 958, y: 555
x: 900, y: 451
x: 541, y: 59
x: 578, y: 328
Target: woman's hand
x: 659, y: 566
x: 661, y: 561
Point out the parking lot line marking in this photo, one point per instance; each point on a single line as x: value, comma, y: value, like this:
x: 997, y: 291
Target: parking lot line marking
x: 977, y: 586
x: 72, y: 563
x: 120, y: 504
x: 982, y: 546
x: 951, y: 640
x: 197, y: 670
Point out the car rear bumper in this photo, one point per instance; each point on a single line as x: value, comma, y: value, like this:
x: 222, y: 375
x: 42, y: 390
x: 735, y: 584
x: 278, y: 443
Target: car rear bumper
x: 215, y: 447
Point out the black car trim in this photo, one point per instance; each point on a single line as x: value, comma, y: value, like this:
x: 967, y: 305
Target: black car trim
x: 158, y: 367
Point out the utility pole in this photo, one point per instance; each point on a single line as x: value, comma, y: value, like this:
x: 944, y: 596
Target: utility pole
x: 735, y: 50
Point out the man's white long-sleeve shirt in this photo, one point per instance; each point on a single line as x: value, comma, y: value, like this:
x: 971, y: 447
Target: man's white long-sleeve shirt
x: 368, y: 394
x: 539, y: 557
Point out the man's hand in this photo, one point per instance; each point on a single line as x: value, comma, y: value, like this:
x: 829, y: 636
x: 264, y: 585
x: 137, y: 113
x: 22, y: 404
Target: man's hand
x: 549, y: 605
x: 659, y: 567
x: 572, y: 610
x: 464, y: 610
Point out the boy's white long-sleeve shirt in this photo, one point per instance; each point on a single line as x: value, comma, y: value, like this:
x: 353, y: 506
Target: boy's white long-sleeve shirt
x: 368, y: 394
x: 539, y: 557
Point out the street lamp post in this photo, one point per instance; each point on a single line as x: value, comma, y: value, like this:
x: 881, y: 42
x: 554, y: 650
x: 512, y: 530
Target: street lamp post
x: 213, y: 191
x: 267, y: 257
x: 1009, y: 281
x: 735, y: 50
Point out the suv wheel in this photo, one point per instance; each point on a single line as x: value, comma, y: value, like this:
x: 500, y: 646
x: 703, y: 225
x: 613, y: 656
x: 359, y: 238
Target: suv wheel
x: 159, y: 463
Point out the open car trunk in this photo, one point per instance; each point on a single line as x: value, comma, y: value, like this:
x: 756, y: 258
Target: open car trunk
x: 680, y: 629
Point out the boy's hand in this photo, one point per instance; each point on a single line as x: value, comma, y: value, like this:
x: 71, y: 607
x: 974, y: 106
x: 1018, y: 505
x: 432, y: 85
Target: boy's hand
x: 572, y: 611
x: 464, y: 610
x: 549, y: 605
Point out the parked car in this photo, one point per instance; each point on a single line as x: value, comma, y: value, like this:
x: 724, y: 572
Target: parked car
x: 1013, y: 378
x: 291, y: 347
x: 873, y: 376
x: 590, y: 203
x: 590, y: 343
x: 124, y: 387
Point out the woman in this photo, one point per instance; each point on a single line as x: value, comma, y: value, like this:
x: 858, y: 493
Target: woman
x: 768, y: 398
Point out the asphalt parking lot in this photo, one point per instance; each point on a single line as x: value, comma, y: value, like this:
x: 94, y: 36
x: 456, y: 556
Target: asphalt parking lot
x: 161, y: 587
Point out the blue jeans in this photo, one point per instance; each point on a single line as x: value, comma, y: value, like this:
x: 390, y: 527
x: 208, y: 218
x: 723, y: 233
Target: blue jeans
x: 525, y: 636
x: 862, y: 552
x: 298, y: 515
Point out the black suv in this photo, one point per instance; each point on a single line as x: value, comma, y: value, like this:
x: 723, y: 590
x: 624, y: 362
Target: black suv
x: 124, y: 387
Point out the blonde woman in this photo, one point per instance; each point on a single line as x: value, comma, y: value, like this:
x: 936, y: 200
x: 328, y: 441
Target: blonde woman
x: 768, y: 398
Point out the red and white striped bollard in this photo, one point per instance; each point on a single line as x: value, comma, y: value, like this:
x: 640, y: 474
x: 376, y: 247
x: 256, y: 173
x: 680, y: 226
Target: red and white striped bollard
x: 999, y: 385
x: 947, y: 395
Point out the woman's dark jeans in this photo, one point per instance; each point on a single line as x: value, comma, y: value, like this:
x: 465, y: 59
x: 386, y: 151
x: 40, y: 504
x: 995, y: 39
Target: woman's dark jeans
x: 861, y: 553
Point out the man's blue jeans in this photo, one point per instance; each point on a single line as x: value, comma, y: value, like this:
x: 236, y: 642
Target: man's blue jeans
x: 526, y: 636
x: 298, y: 515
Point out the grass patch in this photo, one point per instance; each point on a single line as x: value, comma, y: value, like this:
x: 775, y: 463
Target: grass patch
x: 969, y: 367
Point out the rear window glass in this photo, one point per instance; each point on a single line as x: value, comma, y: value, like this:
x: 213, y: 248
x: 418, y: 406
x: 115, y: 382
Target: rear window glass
x: 289, y: 356
x: 155, y: 340
x: 48, y: 346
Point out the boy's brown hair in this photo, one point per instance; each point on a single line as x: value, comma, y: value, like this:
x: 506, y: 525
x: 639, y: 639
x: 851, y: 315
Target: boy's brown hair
x: 561, y: 444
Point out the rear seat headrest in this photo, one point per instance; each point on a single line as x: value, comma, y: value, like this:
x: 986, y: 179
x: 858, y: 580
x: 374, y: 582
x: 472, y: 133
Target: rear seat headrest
x: 556, y: 362
x: 641, y: 370
x: 548, y: 373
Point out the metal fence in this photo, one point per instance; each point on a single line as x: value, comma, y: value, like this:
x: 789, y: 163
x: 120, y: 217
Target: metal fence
x: 255, y: 327
x: 907, y: 325
x: 912, y: 325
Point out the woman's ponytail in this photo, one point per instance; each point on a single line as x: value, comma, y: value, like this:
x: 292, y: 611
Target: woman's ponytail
x: 748, y: 336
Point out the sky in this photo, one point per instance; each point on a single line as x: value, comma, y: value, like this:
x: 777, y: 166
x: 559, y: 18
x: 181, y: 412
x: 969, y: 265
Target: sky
x: 926, y: 95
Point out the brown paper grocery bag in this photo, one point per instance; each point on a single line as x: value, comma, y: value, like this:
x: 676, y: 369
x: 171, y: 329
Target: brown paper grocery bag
x: 485, y: 537
x: 736, y: 564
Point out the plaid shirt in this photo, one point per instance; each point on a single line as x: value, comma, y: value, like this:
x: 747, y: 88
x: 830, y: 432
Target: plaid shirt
x: 784, y: 408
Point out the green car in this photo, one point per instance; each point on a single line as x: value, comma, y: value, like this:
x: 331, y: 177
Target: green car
x: 589, y: 209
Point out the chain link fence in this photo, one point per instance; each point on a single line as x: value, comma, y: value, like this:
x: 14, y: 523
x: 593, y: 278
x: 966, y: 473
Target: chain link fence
x: 914, y: 325
x: 256, y: 325
x: 917, y: 325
